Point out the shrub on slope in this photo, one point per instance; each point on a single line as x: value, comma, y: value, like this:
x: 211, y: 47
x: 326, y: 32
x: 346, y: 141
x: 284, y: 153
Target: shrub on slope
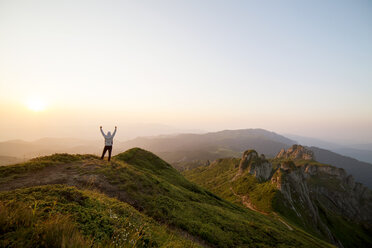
x: 60, y: 216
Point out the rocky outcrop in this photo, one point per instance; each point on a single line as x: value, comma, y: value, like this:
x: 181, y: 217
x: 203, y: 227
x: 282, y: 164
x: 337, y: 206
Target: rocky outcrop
x: 312, y: 191
x: 249, y: 156
x: 291, y: 182
x: 296, y: 152
x: 313, y: 170
x: 262, y: 171
x: 255, y: 165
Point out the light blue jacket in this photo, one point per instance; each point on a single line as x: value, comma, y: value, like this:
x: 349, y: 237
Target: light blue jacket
x: 108, y: 137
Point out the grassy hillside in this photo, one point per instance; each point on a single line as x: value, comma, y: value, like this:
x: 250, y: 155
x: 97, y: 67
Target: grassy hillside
x: 157, y: 190
x: 264, y: 197
x: 61, y: 216
x: 184, y: 160
x: 218, y: 177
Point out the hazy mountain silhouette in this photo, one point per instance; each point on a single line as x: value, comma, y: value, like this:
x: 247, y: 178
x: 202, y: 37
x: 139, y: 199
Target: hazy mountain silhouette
x: 262, y: 140
x: 5, y: 160
x: 186, y: 151
x: 362, y: 152
x: 360, y: 170
x: 46, y: 146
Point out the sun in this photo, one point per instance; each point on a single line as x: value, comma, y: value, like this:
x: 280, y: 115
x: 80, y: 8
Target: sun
x: 36, y: 104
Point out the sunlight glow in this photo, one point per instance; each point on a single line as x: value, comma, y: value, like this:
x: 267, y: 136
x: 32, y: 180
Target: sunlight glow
x: 36, y: 104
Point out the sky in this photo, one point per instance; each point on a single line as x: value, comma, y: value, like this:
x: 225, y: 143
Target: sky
x: 151, y: 67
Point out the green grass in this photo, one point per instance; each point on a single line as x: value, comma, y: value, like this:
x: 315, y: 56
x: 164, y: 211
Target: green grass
x: 164, y: 194
x: 342, y: 228
x: 261, y: 195
x: 264, y: 196
x: 220, y: 178
x: 13, y: 171
x: 161, y: 193
x: 196, y: 158
x: 60, y: 216
x: 216, y: 177
x: 330, y: 182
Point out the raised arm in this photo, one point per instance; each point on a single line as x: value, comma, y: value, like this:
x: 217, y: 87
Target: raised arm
x: 113, y: 134
x: 100, y: 128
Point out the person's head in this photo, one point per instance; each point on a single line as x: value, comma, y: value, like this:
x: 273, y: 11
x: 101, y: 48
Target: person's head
x: 109, y: 133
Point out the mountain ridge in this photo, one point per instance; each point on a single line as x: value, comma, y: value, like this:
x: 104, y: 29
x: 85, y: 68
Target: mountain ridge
x: 361, y: 152
x: 157, y: 190
x: 192, y: 150
x: 320, y: 198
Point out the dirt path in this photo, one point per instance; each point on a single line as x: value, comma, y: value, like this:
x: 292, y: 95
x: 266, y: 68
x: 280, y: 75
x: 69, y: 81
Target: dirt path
x: 248, y: 204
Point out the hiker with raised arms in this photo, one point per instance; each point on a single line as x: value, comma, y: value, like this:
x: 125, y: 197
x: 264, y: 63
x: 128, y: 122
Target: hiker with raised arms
x: 108, y: 142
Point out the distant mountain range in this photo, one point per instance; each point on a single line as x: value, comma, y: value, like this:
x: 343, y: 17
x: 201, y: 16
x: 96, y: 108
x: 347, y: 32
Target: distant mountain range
x: 186, y: 151
x: 188, y: 146
x: 5, y: 160
x: 360, y: 170
x: 46, y: 146
x: 362, y: 152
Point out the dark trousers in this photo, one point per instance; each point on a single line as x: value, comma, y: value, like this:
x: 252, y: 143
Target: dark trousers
x: 109, y: 149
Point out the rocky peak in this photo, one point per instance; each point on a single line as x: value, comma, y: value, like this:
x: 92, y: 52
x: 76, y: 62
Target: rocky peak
x: 248, y: 157
x: 309, y: 189
x: 255, y: 165
x: 288, y: 165
x: 296, y: 152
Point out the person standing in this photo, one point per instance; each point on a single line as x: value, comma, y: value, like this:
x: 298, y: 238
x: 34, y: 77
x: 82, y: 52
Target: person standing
x: 108, y: 142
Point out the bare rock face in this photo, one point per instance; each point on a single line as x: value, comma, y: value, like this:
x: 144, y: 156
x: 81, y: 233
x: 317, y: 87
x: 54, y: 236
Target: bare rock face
x: 287, y: 165
x: 261, y: 171
x: 249, y: 156
x: 255, y: 165
x: 296, y: 152
x: 311, y: 189
x: 313, y: 170
x: 291, y: 182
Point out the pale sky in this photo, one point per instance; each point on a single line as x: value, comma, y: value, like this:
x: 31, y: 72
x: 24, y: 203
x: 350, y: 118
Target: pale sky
x: 300, y: 67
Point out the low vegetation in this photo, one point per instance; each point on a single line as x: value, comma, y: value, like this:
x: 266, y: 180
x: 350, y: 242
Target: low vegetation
x: 61, y: 216
x: 261, y: 195
x: 159, y: 192
x: 220, y: 179
x: 224, y: 179
x: 13, y: 171
x: 174, y: 200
